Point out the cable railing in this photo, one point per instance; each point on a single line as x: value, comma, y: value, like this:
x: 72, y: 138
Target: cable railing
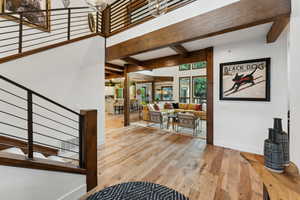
x: 127, y: 13
x: 20, y: 32
x: 39, y: 126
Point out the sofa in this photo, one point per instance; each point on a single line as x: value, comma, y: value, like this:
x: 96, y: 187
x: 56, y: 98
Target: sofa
x: 197, y: 109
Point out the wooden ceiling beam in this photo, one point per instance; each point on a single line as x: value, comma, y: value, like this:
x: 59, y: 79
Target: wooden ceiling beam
x: 236, y: 16
x: 112, y: 66
x: 178, y: 48
x: 170, y: 61
x: 109, y: 71
x: 111, y: 76
x: 277, y: 28
x: 133, y: 61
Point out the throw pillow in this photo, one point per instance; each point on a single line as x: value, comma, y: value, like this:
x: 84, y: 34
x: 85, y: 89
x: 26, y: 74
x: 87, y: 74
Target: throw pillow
x: 175, y: 105
x: 168, y: 106
x: 156, y: 107
x: 198, y: 107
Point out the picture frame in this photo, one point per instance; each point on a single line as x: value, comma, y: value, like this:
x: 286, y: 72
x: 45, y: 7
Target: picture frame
x: 247, y: 80
x: 38, y: 20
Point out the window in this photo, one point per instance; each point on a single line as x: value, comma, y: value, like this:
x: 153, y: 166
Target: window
x: 184, y: 67
x: 199, y: 89
x: 199, y: 65
x: 184, y: 89
x: 167, y: 93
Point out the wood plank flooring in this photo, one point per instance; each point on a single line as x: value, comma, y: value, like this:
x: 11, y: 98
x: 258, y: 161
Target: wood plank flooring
x: 183, y: 163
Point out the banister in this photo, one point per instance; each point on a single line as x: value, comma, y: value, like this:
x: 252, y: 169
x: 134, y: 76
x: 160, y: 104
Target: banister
x: 39, y: 95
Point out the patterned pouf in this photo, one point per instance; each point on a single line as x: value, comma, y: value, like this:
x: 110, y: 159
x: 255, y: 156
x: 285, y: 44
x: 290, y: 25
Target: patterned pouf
x: 137, y: 191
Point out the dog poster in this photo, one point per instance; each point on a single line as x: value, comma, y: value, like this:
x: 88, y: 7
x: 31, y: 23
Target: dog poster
x: 245, y: 80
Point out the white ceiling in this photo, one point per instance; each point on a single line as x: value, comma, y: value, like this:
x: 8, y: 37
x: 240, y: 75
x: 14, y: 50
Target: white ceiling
x: 155, y: 54
x: 118, y: 62
x: 255, y: 32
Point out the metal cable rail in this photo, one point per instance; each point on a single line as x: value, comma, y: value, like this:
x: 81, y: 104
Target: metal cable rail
x: 17, y: 32
x: 51, y: 135
x: 127, y: 13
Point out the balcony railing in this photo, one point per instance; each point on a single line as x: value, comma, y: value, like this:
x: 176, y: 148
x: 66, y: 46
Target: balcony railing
x: 124, y: 14
x: 24, y: 33
x: 19, y: 34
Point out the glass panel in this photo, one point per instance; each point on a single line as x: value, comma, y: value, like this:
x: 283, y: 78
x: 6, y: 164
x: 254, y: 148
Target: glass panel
x: 199, y: 65
x: 184, y: 67
x: 167, y: 93
x: 184, y: 90
x: 199, y: 89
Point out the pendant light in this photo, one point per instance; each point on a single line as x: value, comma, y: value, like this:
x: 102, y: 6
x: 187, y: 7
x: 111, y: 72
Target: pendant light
x: 97, y: 5
x: 66, y: 3
x: 157, y: 7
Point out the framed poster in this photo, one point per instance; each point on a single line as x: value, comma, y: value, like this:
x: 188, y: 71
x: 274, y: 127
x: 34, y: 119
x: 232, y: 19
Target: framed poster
x: 39, y: 19
x: 245, y: 80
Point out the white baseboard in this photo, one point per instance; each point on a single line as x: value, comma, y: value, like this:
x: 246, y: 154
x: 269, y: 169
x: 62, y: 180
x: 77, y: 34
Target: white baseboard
x: 242, y: 148
x: 74, y: 194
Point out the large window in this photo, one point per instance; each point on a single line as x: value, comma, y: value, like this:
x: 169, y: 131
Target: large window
x: 164, y: 93
x: 184, y: 89
x: 199, y: 89
x: 167, y: 93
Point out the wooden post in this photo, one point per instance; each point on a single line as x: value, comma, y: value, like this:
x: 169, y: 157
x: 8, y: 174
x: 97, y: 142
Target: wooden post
x: 106, y: 21
x: 210, y: 96
x: 90, y: 147
x: 153, y: 91
x: 126, y: 97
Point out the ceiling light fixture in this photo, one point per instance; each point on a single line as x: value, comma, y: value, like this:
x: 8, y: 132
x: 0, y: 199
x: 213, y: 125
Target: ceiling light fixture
x: 97, y: 5
x: 66, y: 3
x: 157, y: 7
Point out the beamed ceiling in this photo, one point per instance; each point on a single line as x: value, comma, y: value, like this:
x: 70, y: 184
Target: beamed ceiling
x: 219, y: 27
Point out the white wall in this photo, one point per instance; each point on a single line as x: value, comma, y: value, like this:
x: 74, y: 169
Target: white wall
x: 29, y: 184
x: 72, y: 75
x: 194, y: 9
x: 244, y: 125
x: 294, y: 86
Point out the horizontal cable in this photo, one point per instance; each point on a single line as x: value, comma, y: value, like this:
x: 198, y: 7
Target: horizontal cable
x: 15, y: 37
x: 48, y: 127
x: 38, y: 105
x: 14, y: 126
x: 13, y: 105
x: 55, y: 121
x: 44, y: 135
x: 9, y: 32
x: 79, y: 25
x: 78, y: 21
x: 13, y: 115
x: 48, y: 145
x: 44, y: 37
x: 80, y: 29
x: 9, y: 26
x: 46, y: 32
x: 81, y: 33
x: 15, y: 95
x: 7, y: 45
x: 44, y: 42
x: 35, y: 11
x: 66, y: 158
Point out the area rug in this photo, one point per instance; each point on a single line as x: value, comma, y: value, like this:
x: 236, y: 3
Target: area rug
x: 137, y: 191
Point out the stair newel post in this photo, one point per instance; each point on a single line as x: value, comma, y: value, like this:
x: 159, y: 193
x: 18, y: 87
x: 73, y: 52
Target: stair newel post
x: 82, y: 142
x: 90, y: 147
x: 69, y: 23
x: 20, y: 33
x: 30, y: 125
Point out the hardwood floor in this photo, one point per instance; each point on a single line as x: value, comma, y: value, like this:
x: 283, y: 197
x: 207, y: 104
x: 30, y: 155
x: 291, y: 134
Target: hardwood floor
x: 180, y: 162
